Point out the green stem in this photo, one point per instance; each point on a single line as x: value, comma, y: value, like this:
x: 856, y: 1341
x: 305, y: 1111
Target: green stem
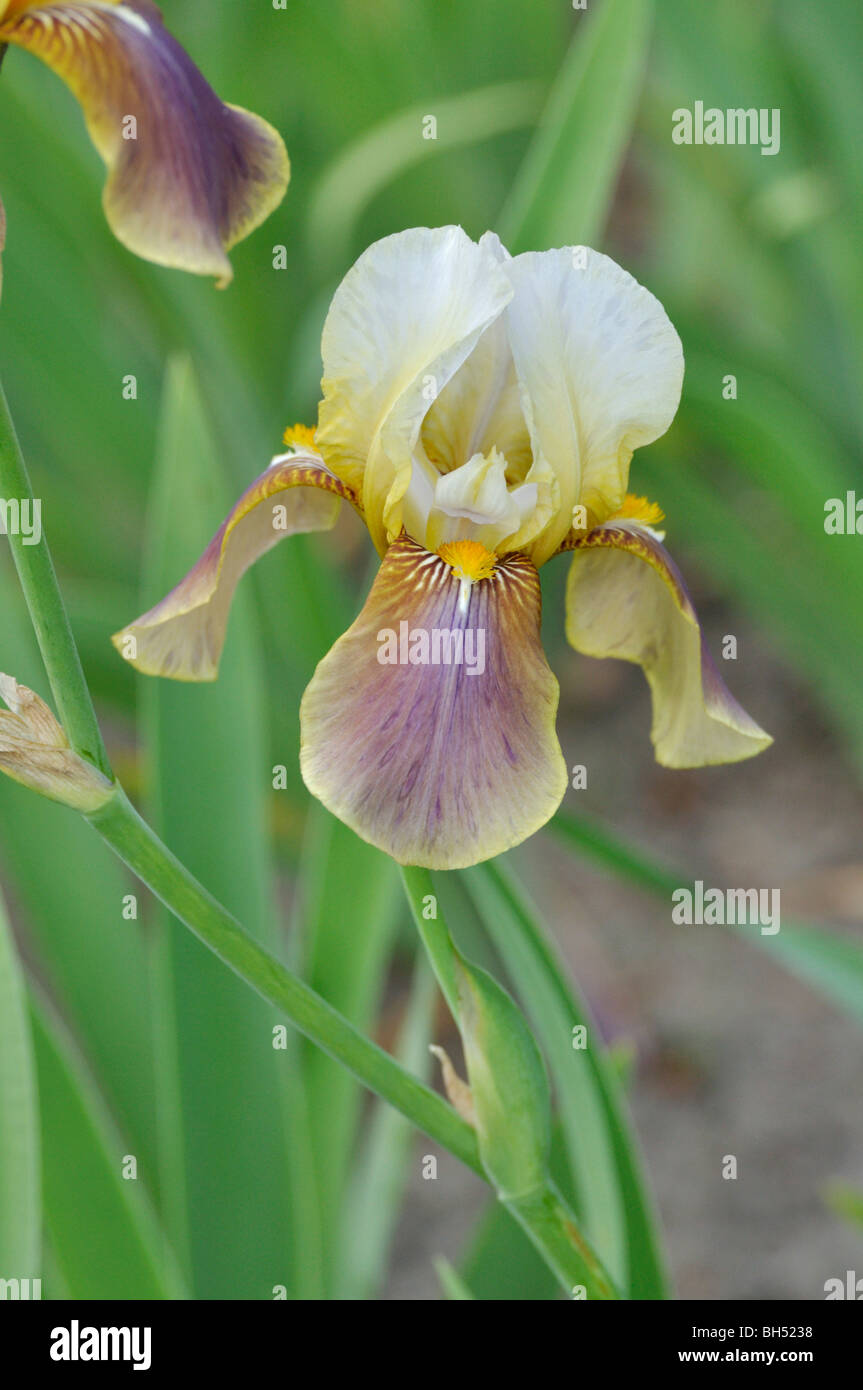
x: 433, y: 932
x: 137, y: 845
x: 547, y: 1220
x: 542, y: 1213
x: 47, y: 610
x: 140, y: 848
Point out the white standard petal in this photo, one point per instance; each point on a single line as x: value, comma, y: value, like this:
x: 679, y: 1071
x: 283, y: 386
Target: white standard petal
x: 401, y: 323
x: 474, y: 503
x: 480, y: 409
x: 601, y: 369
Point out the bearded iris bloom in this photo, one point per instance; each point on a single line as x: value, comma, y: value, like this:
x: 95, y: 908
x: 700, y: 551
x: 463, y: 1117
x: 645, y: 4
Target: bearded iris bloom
x: 479, y: 413
x: 188, y: 176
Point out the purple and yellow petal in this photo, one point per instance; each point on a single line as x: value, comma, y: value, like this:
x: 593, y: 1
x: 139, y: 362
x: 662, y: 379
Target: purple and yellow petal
x: 183, y: 636
x: 439, y: 763
x: 188, y: 175
x: 626, y: 598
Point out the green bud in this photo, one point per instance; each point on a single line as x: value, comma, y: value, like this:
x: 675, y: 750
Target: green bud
x: 508, y: 1084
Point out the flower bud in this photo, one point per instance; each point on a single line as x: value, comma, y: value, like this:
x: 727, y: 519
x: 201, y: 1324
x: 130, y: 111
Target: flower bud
x: 508, y: 1084
x: 35, y: 751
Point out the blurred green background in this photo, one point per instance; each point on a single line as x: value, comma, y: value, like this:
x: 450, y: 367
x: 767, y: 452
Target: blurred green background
x: 267, y: 1170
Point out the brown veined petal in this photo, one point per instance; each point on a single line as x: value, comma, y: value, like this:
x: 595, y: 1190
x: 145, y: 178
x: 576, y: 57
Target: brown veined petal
x: 626, y: 598
x: 183, y: 636
x: 188, y: 175
x: 436, y: 763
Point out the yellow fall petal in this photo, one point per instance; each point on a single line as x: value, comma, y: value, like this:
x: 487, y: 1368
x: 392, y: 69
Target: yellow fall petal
x: 625, y: 598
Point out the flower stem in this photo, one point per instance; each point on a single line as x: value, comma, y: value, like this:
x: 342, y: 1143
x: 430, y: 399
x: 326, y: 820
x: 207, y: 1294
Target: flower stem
x: 549, y: 1223
x: 433, y: 931
x: 138, y: 846
x: 47, y: 610
x: 541, y: 1214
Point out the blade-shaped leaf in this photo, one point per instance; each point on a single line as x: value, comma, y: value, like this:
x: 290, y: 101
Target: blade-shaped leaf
x: 832, y: 963
x: 610, y: 1187
x: 77, y: 918
x: 349, y: 893
x: 105, y: 1238
x: 380, y: 1170
x: 454, y: 1287
x: 224, y: 1157
x: 19, y: 1122
x: 562, y: 192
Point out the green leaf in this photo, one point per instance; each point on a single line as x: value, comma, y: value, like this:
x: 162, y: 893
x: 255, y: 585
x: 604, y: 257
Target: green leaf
x: 563, y: 190
x: 502, y: 1263
x: 223, y: 1098
x: 380, y: 1168
x: 509, y: 1099
x: 349, y: 895
x: 832, y: 963
x: 454, y: 1287
x: 611, y: 852
x: 612, y: 1196
x: 846, y: 1201
x: 19, y: 1122
x: 105, y: 1238
x: 380, y: 155
x: 73, y: 917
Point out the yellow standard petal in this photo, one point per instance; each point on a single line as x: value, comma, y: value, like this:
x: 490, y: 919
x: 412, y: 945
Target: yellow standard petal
x: 183, y: 635
x: 626, y: 598
x: 188, y: 175
x: 429, y: 726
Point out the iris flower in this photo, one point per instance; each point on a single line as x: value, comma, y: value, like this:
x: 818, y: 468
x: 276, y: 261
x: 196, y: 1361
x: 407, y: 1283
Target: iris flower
x: 188, y: 176
x: 479, y: 413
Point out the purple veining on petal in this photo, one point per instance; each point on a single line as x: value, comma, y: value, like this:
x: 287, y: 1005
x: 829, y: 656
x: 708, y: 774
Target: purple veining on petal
x: 476, y: 766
